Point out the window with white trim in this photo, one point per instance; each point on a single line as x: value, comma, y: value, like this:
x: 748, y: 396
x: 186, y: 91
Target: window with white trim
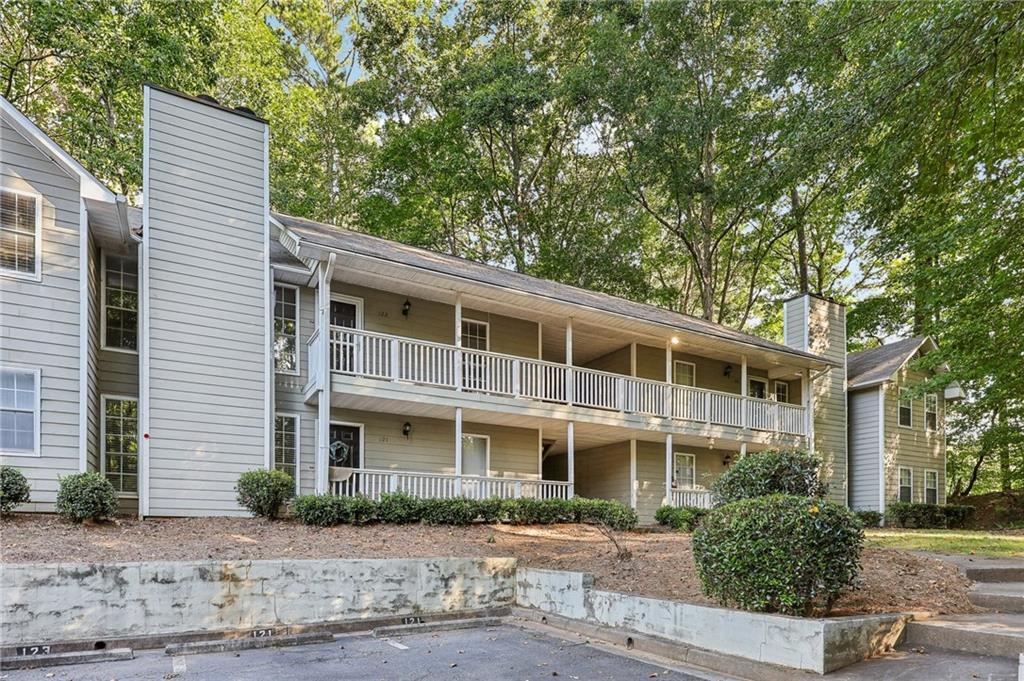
x: 476, y: 454
x: 120, y: 302
x: 931, y: 487
x: 684, y: 373
x: 121, y: 444
x: 906, y: 485
x: 474, y: 335
x: 757, y: 387
x: 684, y: 470
x: 286, y: 329
x: 906, y: 408
x: 19, y: 411
x: 286, y: 444
x: 20, y: 233
x: 931, y: 411
x: 781, y: 391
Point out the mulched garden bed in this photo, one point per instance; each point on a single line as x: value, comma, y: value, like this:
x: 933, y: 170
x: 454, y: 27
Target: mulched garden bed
x: 661, y: 565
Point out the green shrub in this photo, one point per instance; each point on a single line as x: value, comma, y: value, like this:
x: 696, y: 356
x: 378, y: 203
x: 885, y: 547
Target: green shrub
x: 915, y: 516
x: 958, y: 515
x: 528, y: 511
x: 399, y: 508
x: 263, y: 492
x: 317, y: 509
x: 357, y: 510
x: 778, y: 553
x: 457, y: 511
x: 869, y: 518
x: 685, y: 518
x: 14, y: 489
x: 83, y: 496
x: 770, y: 472
x: 492, y: 510
x: 614, y: 514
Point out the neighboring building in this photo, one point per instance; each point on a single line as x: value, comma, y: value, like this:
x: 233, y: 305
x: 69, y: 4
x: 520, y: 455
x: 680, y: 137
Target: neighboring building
x: 897, y: 434
x: 176, y: 346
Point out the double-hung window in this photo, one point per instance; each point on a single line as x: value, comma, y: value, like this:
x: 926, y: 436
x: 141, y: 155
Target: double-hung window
x: 931, y: 411
x: 19, y: 411
x: 684, y: 471
x: 286, y: 329
x: 20, y: 233
x: 121, y: 444
x: 931, y: 487
x: 684, y: 373
x: 906, y: 485
x: 286, y: 444
x: 120, y: 302
x: 906, y: 406
x: 781, y: 391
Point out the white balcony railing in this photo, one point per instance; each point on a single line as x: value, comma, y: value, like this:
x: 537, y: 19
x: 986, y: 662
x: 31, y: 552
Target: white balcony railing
x: 373, y: 483
x: 686, y: 496
x: 363, y: 353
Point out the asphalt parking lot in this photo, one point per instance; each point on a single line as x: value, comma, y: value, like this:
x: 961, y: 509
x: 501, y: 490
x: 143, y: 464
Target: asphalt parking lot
x: 488, y: 654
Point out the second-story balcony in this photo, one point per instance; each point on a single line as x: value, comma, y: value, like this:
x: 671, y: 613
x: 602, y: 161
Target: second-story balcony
x: 386, y: 357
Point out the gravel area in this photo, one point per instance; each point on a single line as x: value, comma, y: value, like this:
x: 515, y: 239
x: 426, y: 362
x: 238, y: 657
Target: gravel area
x: 661, y: 564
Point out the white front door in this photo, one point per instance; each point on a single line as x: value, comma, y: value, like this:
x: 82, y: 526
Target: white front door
x: 475, y: 454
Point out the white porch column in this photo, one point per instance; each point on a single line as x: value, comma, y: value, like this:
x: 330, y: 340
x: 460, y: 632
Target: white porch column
x: 808, y: 402
x: 458, y: 450
x: 743, y: 449
x: 324, y: 274
x: 570, y: 379
x: 668, y: 361
x: 571, y: 457
x: 458, y: 342
x: 744, y: 389
x: 632, y: 474
x: 668, y: 469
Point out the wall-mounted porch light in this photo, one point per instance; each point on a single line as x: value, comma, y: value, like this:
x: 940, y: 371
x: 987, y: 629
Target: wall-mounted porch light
x: 406, y: 306
x: 726, y: 460
x: 675, y: 340
x: 728, y: 370
x: 406, y: 428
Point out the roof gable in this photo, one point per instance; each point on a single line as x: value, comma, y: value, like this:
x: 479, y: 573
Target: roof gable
x: 878, y: 365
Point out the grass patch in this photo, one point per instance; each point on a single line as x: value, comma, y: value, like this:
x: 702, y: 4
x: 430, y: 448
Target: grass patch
x: 979, y: 543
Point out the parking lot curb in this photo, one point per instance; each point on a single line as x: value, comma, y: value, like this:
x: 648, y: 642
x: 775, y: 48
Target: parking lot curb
x: 409, y: 629
x: 60, y: 659
x: 233, y: 644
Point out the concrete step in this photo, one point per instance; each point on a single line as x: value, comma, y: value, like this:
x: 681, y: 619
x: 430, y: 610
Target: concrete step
x: 1009, y: 573
x: 1001, y: 596
x: 989, y: 634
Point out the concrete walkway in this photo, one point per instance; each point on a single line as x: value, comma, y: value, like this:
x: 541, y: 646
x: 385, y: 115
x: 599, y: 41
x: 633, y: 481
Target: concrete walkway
x: 929, y: 665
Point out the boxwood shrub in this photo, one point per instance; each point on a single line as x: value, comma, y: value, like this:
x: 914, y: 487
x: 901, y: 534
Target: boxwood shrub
x: 456, y: 511
x: 685, y: 518
x: 399, y: 508
x: 14, y: 489
x: 614, y: 514
x: 321, y: 510
x: 927, y: 516
x: 85, y: 496
x: 778, y: 553
x: 770, y: 472
x: 264, y: 492
x: 869, y: 518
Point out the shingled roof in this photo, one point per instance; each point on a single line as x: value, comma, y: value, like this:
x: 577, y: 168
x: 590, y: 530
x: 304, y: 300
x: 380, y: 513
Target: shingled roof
x: 333, y: 237
x: 877, y: 365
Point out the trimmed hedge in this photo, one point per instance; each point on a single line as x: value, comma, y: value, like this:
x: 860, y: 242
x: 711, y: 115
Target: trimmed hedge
x: 14, y: 489
x: 264, y: 492
x: 778, y: 553
x: 685, y: 518
x: 84, y: 496
x: 770, y: 472
x: 398, y: 508
x: 869, y: 518
x: 927, y: 516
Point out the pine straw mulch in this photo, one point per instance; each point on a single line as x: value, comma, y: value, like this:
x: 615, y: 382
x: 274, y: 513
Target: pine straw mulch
x: 661, y: 565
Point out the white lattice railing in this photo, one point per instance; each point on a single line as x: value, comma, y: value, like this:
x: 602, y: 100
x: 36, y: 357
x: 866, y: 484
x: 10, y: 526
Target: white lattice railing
x: 374, y: 355
x: 701, y: 498
x: 373, y: 483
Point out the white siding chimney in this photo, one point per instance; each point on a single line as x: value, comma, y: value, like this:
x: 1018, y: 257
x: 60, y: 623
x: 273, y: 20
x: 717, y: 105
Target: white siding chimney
x: 205, y: 393
x: 818, y: 325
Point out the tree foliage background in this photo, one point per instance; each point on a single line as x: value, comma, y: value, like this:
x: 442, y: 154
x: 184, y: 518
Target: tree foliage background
x: 710, y: 157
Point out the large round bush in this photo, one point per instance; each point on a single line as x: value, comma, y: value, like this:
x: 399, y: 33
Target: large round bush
x: 14, y: 489
x: 263, y: 492
x: 778, y: 553
x: 85, y: 496
x: 770, y: 472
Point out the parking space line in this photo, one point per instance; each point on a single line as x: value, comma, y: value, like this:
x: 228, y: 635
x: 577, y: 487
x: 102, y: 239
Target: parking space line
x: 395, y: 644
x: 178, y: 664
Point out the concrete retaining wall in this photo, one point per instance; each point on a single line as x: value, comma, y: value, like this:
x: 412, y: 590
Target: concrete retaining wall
x: 818, y: 645
x: 55, y: 602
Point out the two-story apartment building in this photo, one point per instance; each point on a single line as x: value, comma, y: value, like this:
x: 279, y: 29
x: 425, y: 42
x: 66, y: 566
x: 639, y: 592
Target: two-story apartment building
x: 175, y: 346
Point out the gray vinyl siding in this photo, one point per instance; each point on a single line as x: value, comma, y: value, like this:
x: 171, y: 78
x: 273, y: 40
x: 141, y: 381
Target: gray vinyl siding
x: 288, y: 394
x: 207, y: 294
x: 603, y: 472
x: 41, y: 326
x: 795, y: 316
x: 93, y: 445
x: 863, y: 447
